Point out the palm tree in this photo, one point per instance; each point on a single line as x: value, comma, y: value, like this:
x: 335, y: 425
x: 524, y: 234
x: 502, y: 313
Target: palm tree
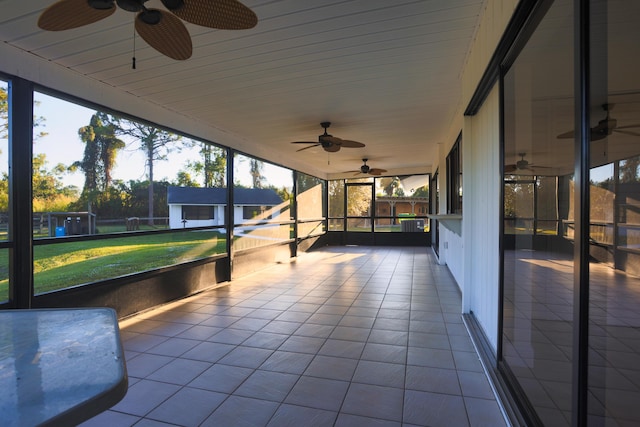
x: 101, y: 148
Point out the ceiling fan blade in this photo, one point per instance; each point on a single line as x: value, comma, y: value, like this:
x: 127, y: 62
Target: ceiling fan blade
x: 570, y: 134
x: 510, y: 168
x: 596, y: 134
x: 305, y: 142
x: 351, y: 144
x: 341, y: 142
x: 376, y: 171
x: 628, y: 127
x: 68, y: 14
x: 626, y: 132
x: 220, y: 14
x: 168, y: 36
x: 306, y: 148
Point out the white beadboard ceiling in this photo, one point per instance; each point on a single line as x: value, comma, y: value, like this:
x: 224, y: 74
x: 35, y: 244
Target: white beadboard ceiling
x: 385, y: 73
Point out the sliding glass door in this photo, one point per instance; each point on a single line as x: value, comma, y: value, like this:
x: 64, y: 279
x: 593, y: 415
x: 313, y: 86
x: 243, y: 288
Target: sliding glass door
x: 570, y: 340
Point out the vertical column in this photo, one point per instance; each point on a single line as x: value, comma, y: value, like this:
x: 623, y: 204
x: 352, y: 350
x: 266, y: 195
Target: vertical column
x: 20, y: 192
x: 294, y: 214
x: 229, y: 212
x: 582, y: 202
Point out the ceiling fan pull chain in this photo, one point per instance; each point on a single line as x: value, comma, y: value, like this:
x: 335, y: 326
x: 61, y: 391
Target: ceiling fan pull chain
x: 133, y: 60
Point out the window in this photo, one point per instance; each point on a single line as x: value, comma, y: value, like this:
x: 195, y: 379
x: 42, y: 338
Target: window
x: 198, y: 212
x: 310, y: 204
x: 402, y: 203
x: 263, y: 192
x: 454, y: 178
x: 4, y: 190
x: 336, y: 204
x: 256, y: 212
x: 531, y: 204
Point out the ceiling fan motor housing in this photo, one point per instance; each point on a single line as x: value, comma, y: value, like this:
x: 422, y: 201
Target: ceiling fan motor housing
x: 173, y: 4
x: 101, y: 4
x: 151, y: 17
x: 326, y: 144
x: 365, y: 168
x: 324, y: 138
x: 131, y: 5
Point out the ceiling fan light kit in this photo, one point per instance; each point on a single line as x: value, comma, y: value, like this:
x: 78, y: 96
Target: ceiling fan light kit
x: 163, y: 30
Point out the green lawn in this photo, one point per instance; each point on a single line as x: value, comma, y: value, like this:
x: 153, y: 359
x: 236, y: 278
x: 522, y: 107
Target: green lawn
x: 66, y: 264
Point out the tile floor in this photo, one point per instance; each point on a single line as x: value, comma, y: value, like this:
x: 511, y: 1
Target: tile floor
x: 344, y: 336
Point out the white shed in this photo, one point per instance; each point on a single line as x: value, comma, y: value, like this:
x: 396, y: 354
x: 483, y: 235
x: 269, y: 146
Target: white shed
x: 200, y: 207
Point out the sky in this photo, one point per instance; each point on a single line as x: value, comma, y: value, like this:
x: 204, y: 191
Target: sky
x: 62, y: 144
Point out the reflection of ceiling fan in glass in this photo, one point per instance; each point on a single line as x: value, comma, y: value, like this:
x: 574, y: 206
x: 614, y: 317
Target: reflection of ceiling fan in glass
x: 162, y: 29
x: 522, y: 165
x: 605, y: 127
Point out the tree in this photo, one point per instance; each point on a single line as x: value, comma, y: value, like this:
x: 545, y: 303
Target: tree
x: 359, y: 200
x: 154, y: 142
x: 390, y: 185
x: 307, y: 182
x: 4, y: 117
x: 336, y: 198
x: 518, y: 199
x: 629, y: 169
x: 49, y: 192
x: 212, y: 168
x: 100, y: 151
x: 89, y: 163
x: 255, y: 169
x: 138, y: 198
x: 4, y: 114
x: 185, y: 179
x: 422, y: 192
x: 110, y: 145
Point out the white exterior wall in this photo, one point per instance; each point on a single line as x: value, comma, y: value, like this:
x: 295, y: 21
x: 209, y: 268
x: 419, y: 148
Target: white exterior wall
x: 473, y: 257
x: 175, y: 217
x: 481, y: 228
x: 220, y: 214
x: 451, y: 246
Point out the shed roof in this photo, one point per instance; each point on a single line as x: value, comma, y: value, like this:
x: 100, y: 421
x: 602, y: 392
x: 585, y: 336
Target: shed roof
x: 218, y: 196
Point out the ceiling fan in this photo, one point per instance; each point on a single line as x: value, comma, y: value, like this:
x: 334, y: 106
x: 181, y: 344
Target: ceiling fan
x: 368, y: 170
x: 521, y: 164
x: 162, y: 29
x: 605, y: 127
x: 328, y: 142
